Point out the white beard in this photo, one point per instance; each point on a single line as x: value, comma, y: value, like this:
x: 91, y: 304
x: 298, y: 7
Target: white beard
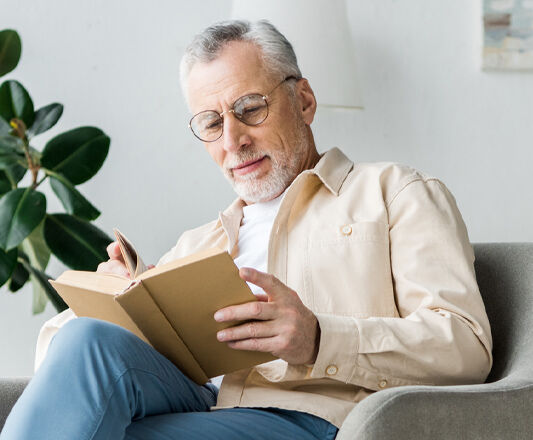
x: 285, y: 167
x: 253, y: 190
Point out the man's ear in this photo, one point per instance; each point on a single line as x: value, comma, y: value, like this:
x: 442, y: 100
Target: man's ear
x: 307, y: 100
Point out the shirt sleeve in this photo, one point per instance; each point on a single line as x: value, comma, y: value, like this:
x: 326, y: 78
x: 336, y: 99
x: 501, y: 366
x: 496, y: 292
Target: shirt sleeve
x: 442, y: 335
x: 47, y: 332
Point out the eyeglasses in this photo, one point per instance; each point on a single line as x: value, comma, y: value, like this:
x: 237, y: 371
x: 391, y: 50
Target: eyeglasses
x: 251, y: 110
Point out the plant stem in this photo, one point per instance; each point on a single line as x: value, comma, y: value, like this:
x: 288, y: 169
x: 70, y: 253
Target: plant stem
x: 19, y: 130
x: 40, y: 181
x: 33, y: 168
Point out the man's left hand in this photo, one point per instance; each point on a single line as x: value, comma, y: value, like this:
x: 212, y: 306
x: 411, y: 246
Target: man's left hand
x: 281, y: 325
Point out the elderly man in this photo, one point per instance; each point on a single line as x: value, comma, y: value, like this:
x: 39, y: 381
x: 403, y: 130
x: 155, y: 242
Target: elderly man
x: 364, y: 271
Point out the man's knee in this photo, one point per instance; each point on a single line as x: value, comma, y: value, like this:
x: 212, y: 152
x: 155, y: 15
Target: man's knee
x: 81, y: 333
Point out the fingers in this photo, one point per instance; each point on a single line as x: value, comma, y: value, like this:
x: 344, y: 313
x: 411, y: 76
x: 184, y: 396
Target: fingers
x: 273, y: 287
x: 262, y: 344
x: 261, y: 279
x: 251, y: 310
x: 113, y: 266
x: 254, y: 329
x: 113, y: 250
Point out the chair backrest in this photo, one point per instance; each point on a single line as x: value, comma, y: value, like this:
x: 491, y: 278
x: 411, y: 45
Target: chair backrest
x: 504, y: 273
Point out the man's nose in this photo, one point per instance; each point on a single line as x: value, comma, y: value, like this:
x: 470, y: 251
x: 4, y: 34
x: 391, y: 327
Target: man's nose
x: 234, y: 136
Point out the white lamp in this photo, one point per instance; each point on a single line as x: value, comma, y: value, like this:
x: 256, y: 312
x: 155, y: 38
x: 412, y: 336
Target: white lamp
x: 319, y: 33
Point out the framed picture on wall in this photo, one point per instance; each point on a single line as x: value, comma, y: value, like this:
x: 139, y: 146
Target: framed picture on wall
x: 508, y: 35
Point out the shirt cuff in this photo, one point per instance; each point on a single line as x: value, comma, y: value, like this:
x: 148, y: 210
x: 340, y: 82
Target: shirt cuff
x: 47, y: 332
x: 338, y: 349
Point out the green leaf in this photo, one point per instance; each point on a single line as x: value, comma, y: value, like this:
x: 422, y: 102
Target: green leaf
x: 77, y: 154
x: 18, y: 278
x: 11, y: 144
x: 41, y: 280
x: 9, y: 160
x: 10, y: 48
x: 21, y: 210
x: 5, y: 183
x: 39, y: 298
x: 15, y: 173
x: 8, y: 260
x: 5, y: 128
x: 11, y: 152
x: 72, y: 199
x: 9, y: 178
x: 77, y: 243
x: 15, y: 102
x: 36, y: 249
x: 38, y: 254
x: 45, y: 118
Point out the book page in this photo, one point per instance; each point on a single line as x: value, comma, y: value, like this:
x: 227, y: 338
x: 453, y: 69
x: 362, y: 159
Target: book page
x: 180, y: 262
x: 132, y: 260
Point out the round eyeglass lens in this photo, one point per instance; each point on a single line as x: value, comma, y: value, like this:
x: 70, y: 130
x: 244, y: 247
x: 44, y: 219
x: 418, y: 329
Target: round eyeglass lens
x: 207, y: 125
x: 251, y: 109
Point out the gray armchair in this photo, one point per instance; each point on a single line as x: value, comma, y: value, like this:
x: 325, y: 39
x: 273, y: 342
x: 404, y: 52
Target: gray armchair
x: 502, y: 408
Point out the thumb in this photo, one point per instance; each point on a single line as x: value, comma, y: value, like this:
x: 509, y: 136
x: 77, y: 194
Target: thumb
x: 113, y: 250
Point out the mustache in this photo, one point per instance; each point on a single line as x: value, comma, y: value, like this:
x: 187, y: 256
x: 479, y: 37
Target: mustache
x: 242, y: 157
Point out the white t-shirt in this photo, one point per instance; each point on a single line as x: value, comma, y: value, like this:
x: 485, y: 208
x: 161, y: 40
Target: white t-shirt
x: 254, y: 233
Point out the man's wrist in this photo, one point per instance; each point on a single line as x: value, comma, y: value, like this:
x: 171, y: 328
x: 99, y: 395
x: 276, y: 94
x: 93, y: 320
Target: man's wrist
x: 316, y: 345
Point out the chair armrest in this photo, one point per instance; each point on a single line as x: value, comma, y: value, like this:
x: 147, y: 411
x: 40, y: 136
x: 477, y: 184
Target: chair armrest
x: 499, y: 410
x: 10, y: 390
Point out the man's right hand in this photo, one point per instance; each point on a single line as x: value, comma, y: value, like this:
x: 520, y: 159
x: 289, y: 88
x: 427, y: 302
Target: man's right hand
x: 115, y: 264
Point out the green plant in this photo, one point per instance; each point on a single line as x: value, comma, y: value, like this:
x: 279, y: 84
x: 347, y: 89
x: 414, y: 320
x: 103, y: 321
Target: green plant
x: 28, y: 234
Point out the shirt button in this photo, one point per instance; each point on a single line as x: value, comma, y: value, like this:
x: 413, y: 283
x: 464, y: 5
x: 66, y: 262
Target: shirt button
x: 346, y: 230
x: 382, y: 383
x: 331, y: 370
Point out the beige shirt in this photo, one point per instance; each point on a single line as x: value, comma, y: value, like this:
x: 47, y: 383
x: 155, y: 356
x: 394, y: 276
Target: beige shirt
x: 380, y: 253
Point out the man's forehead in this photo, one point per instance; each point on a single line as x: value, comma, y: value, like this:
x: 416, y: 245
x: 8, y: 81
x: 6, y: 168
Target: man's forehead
x: 237, y: 70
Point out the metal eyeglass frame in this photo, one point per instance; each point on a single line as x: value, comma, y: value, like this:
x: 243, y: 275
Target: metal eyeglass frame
x: 232, y: 110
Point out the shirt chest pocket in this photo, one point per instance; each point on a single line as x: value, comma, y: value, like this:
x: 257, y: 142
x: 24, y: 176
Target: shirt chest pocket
x: 348, y: 270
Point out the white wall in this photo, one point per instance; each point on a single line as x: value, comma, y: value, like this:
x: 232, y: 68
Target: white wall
x: 114, y: 64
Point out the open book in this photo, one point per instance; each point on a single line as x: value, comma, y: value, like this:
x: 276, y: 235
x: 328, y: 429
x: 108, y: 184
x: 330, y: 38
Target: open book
x: 170, y: 307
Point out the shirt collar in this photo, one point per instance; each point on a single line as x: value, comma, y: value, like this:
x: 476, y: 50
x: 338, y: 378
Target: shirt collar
x: 332, y: 169
x: 230, y: 220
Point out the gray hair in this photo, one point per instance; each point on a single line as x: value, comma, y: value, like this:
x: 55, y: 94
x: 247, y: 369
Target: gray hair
x: 277, y: 53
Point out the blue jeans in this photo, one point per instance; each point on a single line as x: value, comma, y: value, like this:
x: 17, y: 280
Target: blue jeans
x: 99, y: 381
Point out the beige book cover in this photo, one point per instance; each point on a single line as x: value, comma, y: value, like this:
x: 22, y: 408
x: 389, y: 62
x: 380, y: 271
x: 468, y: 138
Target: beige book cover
x: 170, y: 307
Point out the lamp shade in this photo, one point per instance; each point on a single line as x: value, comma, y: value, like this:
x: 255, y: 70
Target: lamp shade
x: 320, y: 35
